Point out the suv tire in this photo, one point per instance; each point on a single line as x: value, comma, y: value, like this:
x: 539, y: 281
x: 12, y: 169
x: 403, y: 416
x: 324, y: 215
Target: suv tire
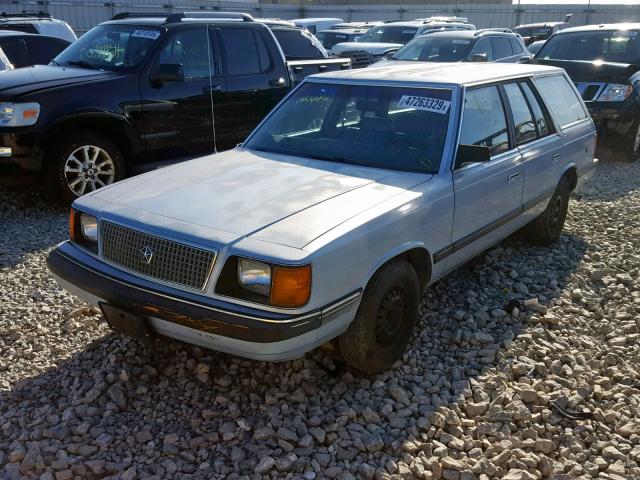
x: 386, y: 318
x: 546, y: 228
x: 82, y: 163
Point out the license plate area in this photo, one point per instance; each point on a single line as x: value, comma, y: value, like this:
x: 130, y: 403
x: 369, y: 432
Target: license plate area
x: 125, y: 322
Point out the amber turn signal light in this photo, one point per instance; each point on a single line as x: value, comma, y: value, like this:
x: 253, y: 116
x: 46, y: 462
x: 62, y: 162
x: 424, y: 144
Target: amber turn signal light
x: 291, y: 286
x: 75, y: 232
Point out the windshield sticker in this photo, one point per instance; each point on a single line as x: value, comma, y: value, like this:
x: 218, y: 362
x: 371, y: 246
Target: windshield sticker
x: 150, y: 34
x: 461, y: 42
x: 408, y: 31
x: 425, y: 103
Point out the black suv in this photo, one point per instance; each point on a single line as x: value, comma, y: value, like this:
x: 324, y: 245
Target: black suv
x: 140, y: 89
x: 604, y: 63
x: 486, y: 45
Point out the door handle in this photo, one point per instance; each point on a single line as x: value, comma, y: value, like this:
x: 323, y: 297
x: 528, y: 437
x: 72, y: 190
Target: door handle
x: 279, y: 82
x: 513, y: 176
x: 555, y: 157
x: 212, y: 88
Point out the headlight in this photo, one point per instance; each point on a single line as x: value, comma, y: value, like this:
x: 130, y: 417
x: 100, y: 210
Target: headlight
x: 19, y: 114
x: 266, y: 283
x: 83, y: 229
x: 615, y: 92
x: 254, y: 276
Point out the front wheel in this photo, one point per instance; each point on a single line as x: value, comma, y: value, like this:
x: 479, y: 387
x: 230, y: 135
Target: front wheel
x: 546, y: 229
x: 387, y: 315
x: 83, y: 163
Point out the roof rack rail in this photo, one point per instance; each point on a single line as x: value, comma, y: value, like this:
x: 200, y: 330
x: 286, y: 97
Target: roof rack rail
x: 232, y: 16
x: 25, y: 14
x: 483, y: 30
x: 123, y: 15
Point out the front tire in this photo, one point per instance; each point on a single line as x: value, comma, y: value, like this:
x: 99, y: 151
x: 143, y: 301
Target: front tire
x: 546, y: 229
x: 83, y: 163
x: 387, y: 315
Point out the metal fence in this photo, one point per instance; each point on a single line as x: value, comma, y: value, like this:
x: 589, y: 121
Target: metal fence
x: 84, y: 14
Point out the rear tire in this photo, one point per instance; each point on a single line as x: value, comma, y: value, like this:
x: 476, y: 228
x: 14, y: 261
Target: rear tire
x: 546, y: 229
x: 81, y: 163
x: 386, y: 318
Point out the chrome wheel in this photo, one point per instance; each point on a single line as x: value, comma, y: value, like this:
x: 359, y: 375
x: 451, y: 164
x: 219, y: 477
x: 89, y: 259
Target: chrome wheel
x: 88, y: 168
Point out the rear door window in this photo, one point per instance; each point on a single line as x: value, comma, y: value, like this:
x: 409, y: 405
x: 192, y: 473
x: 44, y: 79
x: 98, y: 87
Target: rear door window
x: 543, y: 125
x: 484, y: 122
x: 241, y: 52
x: 501, y: 47
x: 523, y: 122
x: 561, y: 99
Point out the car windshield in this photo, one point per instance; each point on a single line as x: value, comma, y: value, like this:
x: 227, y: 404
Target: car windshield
x: 435, y: 49
x: 110, y: 47
x: 388, y: 34
x: 619, y: 46
x: 533, y: 31
x: 398, y: 128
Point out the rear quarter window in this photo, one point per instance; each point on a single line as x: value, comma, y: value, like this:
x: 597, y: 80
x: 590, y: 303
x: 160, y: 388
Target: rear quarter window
x: 561, y: 99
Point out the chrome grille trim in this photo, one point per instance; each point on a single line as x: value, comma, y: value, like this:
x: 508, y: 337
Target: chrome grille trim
x: 171, y: 262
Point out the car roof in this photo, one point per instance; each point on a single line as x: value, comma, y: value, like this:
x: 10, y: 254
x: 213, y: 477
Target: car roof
x: 408, y: 23
x: 602, y: 26
x: 343, y: 31
x: 540, y: 24
x: 469, y: 33
x: 439, y: 73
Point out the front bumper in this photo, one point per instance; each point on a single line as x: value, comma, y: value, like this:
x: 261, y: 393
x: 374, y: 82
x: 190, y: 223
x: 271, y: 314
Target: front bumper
x: 616, y: 122
x: 200, y: 320
x: 20, y: 150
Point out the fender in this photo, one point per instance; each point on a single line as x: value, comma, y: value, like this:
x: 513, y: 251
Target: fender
x: 104, y: 119
x: 398, y: 250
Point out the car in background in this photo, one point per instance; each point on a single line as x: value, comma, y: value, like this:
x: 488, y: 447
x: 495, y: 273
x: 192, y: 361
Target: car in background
x: 332, y: 37
x: 357, y: 25
x: 486, y: 45
x: 382, y: 40
x: 316, y: 24
x: 357, y: 192
x: 38, y: 23
x: 533, y: 32
x: 298, y: 43
x: 604, y: 63
x: 136, y: 90
x: 535, y: 46
x: 26, y: 49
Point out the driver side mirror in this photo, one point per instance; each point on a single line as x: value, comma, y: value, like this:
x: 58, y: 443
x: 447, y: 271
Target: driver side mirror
x: 167, y: 72
x: 472, y: 154
x: 479, y: 57
x: 390, y: 54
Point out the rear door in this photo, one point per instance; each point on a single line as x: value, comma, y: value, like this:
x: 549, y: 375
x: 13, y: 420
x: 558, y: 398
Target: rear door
x: 255, y: 80
x: 487, y: 195
x: 178, y: 117
x: 537, y: 140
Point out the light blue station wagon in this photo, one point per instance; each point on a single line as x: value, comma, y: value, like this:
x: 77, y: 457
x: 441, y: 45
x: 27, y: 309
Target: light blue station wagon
x: 360, y: 189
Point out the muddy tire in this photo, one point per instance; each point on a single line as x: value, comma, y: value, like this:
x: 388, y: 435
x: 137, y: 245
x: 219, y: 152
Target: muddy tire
x: 386, y: 318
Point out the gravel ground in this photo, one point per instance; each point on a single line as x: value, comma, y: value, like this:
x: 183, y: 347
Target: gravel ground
x: 526, y: 367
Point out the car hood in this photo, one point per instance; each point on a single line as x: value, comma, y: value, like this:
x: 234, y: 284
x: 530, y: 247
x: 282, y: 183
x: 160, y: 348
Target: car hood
x: 26, y: 80
x: 583, y: 71
x: 369, y: 47
x: 245, y: 193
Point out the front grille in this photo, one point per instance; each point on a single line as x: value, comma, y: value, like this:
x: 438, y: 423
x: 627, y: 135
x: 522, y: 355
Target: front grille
x: 589, y: 91
x: 359, y: 59
x: 156, y: 257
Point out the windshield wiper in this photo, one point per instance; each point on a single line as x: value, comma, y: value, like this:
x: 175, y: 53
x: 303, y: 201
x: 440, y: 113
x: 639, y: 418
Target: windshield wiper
x: 81, y: 63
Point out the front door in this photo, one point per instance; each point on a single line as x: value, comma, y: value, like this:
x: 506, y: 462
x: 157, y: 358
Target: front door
x: 487, y: 195
x: 177, y: 114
